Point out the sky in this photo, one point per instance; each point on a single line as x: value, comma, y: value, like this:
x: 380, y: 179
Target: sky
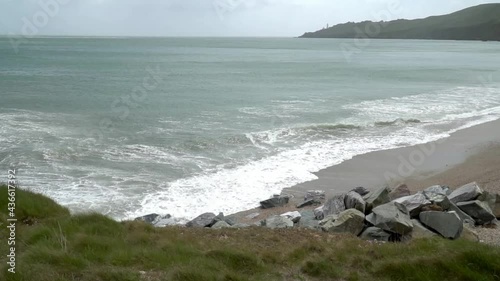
x: 266, y: 18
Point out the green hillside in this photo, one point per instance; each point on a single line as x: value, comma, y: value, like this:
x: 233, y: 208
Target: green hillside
x: 476, y: 23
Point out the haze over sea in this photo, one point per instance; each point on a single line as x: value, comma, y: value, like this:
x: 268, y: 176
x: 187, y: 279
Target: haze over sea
x: 223, y: 123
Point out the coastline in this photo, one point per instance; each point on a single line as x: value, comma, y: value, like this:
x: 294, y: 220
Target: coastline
x: 471, y: 154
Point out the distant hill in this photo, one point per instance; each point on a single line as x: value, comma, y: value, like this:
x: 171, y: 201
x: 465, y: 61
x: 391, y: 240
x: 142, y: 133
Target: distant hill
x: 476, y: 23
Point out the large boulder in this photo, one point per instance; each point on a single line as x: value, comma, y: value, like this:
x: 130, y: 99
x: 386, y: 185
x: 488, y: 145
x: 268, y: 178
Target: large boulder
x: 414, y: 203
x: 420, y: 231
x: 165, y: 221
x: 462, y: 215
x: 479, y: 211
x: 151, y: 218
x: 392, y: 217
x: 220, y: 225
x: 488, y: 198
x: 203, y: 220
x: 293, y: 216
x: 276, y: 201
x: 448, y: 224
x: 434, y: 190
x: 355, y: 201
x: 400, y: 191
x: 465, y: 193
x: 334, y: 205
x: 348, y: 221
x: 274, y: 222
x: 375, y: 233
x: 308, y: 220
x: 376, y: 198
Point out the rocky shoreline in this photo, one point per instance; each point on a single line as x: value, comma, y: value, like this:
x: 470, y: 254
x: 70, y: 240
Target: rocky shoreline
x: 384, y: 214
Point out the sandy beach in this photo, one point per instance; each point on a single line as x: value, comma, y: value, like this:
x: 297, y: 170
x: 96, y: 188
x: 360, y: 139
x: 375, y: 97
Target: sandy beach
x: 472, y: 154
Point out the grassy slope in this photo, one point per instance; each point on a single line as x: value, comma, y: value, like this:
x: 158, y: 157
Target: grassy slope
x: 476, y: 23
x: 53, y: 245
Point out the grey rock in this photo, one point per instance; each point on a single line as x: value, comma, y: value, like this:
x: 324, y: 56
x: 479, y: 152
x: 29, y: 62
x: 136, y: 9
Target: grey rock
x: 496, y: 210
x: 308, y: 220
x: 163, y: 222
x: 465, y: 193
x: 361, y: 190
x: 293, y: 216
x: 400, y: 191
x: 479, y: 211
x: 317, y: 195
x: 469, y: 234
x: 151, y: 218
x: 318, y: 213
x: 309, y: 202
x: 448, y: 224
x: 414, y: 203
x: 462, y: 215
x: 277, y: 201
x: 392, y: 217
x: 376, y: 198
x: 231, y: 220
x: 334, y: 205
x: 353, y: 200
x: 274, y: 222
x: 436, y: 190
x: 375, y: 233
x: 204, y: 220
x: 489, y: 199
x: 420, y: 231
x: 442, y: 201
x: 348, y: 221
x: 220, y: 225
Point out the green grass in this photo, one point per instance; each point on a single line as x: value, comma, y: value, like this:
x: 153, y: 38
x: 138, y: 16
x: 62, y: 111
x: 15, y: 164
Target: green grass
x: 53, y: 245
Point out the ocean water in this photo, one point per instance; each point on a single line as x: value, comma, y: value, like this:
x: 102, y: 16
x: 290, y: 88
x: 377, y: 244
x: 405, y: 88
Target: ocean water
x: 130, y: 126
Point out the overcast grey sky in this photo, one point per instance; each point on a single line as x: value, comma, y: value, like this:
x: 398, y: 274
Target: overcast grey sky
x: 204, y: 17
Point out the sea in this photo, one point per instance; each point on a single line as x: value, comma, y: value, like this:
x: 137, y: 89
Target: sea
x: 183, y: 126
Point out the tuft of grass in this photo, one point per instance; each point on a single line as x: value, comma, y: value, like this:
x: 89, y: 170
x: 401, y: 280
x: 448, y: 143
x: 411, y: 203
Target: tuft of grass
x: 93, y: 247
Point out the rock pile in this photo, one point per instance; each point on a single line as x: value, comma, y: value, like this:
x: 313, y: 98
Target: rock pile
x: 380, y: 214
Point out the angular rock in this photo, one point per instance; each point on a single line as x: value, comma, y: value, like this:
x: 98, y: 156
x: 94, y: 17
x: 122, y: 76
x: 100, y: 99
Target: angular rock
x: 293, y: 216
x: 441, y: 201
x: 479, y: 211
x: 448, y: 224
x: 308, y: 220
x: 361, y: 190
x: 400, y: 191
x: 204, y: 220
x: 489, y: 199
x: 318, y: 213
x: 466, y: 219
x: 231, y: 220
x: 274, y: 222
x: 376, y: 198
x: 420, y: 231
x: 317, y: 195
x: 414, y: 203
x: 309, y: 202
x: 353, y: 200
x: 375, y: 233
x: 436, y: 190
x: 151, y: 218
x: 392, y: 217
x: 220, y: 225
x: 465, y: 193
x: 277, y: 201
x: 165, y: 221
x: 334, y: 205
x: 348, y: 221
